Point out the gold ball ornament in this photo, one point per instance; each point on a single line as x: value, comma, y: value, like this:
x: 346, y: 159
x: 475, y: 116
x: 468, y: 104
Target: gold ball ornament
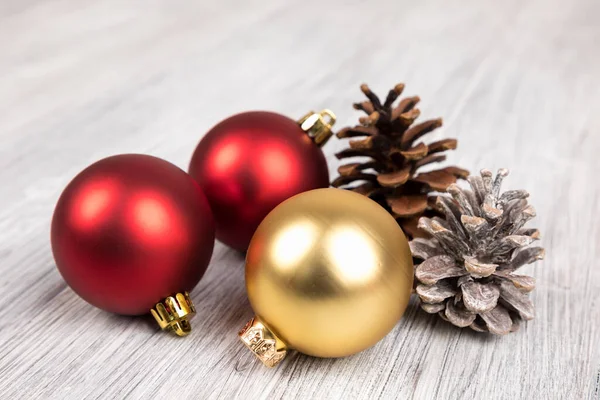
x: 328, y: 273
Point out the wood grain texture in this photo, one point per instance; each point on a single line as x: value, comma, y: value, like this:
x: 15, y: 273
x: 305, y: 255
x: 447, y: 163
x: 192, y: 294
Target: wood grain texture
x: 516, y: 82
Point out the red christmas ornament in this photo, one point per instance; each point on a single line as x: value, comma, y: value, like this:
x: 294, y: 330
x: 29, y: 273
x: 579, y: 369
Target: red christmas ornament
x: 251, y: 162
x: 130, y: 231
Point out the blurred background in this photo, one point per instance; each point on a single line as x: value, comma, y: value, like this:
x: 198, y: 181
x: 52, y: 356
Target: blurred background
x: 515, y: 81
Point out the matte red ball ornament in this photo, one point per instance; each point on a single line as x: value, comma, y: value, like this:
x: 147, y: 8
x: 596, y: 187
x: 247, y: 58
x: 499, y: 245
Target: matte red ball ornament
x: 251, y: 162
x: 133, y: 233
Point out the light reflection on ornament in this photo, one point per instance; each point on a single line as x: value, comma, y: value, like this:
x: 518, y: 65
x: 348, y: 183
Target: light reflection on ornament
x: 153, y: 213
x: 352, y: 251
x: 292, y: 244
x: 279, y: 166
x: 227, y: 157
x: 94, y: 201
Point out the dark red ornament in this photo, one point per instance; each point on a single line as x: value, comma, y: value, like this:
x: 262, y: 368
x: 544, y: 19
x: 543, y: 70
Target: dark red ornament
x: 130, y: 231
x: 251, y: 162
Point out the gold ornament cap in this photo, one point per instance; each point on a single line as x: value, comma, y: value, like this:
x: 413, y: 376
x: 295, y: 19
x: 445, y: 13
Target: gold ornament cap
x: 174, y: 312
x: 318, y: 126
x: 261, y: 340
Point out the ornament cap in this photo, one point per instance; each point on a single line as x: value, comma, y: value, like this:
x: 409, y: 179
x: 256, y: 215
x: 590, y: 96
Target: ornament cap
x: 265, y: 345
x: 318, y: 125
x: 174, y: 313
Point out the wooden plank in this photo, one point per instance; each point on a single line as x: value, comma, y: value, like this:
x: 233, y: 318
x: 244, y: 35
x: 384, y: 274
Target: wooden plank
x: 516, y: 82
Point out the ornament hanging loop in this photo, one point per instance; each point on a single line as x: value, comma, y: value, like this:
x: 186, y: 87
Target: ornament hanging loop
x: 174, y: 312
x: 261, y: 341
x: 318, y: 125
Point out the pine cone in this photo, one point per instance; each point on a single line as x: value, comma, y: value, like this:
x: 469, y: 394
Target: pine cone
x: 389, y: 175
x: 468, y: 273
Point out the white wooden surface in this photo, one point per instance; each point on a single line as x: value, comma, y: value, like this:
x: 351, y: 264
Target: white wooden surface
x: 516, y: 81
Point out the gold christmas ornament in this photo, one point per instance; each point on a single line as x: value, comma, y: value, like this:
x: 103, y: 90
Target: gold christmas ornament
x: 328, y: 273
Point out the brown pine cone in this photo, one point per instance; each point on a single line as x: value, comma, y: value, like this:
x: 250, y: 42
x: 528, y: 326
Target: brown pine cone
x: 389, y: 175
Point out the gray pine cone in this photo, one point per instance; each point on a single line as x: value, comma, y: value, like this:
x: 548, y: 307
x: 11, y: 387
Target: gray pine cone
x: 467, y: 275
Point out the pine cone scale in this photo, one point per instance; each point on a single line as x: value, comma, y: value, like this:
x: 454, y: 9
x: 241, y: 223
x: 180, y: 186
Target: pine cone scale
x: 356, y: 168
x: 366, y: 189
x: 423, y: 249
x: 443, y: 145
x: 365, y: 106
x: 430, y: 159
x: 437, y: 268
x: 517, y: 300
x: 420, y: 130
x: 342, y: 180
x: 415, y: 153
x: 410, y: 227
x: 457, y: 172
x: 357, y: 131
x: 522, y: 282
x: 478, y: 269
x: 406, y: 104
x: 457, y: 316
x: 527, y: 256
x: 407, y: 206
x: 433, y: 294
x: 498, y: 320
x: 480, y: 298
x: 436, y: 180
x: 405, y: 119
x: 433, y: 308
x: 393, y: 179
